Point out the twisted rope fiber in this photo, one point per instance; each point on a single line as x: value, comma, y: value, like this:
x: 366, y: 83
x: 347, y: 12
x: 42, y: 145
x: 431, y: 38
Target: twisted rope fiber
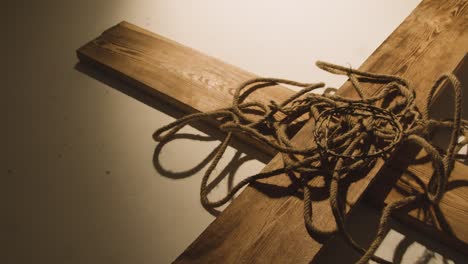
x: 348, y: 137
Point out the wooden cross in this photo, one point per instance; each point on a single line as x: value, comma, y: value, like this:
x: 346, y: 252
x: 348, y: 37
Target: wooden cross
x: 432, y: 40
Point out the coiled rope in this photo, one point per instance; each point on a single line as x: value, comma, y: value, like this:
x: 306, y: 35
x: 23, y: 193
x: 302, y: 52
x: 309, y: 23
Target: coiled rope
x: 349, y: 136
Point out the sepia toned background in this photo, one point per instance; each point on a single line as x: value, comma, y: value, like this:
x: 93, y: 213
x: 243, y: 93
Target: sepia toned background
x: 80, y: 182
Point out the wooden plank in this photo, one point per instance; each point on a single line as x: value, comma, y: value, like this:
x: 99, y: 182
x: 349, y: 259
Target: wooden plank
x: 179, y: 75
x: 267, y: 230
x: 448, y: 220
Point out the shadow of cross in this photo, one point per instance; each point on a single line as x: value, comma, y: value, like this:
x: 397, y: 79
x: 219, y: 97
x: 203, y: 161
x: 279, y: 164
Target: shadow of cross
x: 272, y: 230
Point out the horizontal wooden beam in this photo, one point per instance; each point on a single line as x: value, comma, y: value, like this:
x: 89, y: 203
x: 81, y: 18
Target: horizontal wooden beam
x: 272, y: 228
x: 176, y: 74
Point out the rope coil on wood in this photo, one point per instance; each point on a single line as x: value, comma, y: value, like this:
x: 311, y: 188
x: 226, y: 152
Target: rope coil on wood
x: 349, y: 135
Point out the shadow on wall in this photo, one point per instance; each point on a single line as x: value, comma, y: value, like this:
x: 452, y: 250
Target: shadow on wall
x: 128, y: 88
x: 442, y: 107
x: 358, y: 216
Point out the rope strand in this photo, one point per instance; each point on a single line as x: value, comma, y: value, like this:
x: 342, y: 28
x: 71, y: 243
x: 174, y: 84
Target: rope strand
x: 349, y: 136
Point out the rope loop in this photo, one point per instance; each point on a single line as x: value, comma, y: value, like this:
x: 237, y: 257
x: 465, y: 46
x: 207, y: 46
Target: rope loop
x: 348, y: 135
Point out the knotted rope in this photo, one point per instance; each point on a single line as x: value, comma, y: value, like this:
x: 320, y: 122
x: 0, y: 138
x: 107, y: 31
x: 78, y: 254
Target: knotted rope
x: 348, y: 136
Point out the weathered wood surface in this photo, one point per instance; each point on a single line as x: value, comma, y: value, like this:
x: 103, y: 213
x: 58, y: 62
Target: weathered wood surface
x: 179, y: 75
x: 430, y: 41
x: 449, y: 220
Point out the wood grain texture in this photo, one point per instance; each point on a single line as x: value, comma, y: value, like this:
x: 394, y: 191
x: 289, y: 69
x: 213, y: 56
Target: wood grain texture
x: 429, y: 42
x: 448, y: 220
x: 179, y: 75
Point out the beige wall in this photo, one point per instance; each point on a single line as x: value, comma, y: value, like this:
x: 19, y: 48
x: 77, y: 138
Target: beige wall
x: 77, y: 154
